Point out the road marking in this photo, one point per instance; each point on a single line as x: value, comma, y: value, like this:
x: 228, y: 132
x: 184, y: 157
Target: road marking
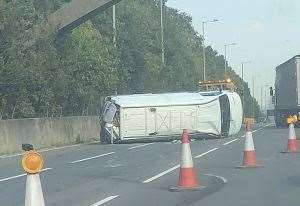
x: 258, y: 129
x: 21, y: 175
x: 198, y: 156
x: 90, y: 158
x: 47, y: 150
x: 218, y: 177
x: 205, y: 153
x: 226, y: 143
x: 161, y: 174
x: 175, y: 167
x: 101, y: 202
x: 261, y: 127
x: 63, y: 147
x: 8, y: 156
x: 142, y: 145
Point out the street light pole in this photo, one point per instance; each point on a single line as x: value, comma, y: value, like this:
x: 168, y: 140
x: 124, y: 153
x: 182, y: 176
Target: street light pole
x: 253, y: 98
x: 114, y: 26
x: 243, y: 86
x: 266, y: 102
x: 162, y: 33
x: 225, y: 63
x: 261, y: 98
x: 203, y: 47
x: 225, y: 55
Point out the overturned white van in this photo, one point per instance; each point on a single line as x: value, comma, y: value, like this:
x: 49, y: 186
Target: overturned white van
x: 163, y: 116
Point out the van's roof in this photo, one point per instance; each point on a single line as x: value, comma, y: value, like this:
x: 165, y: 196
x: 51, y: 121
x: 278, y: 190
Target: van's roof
x: 165, y: 99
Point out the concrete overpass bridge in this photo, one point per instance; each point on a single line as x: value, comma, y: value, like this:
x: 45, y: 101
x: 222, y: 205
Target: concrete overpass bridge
x: 68, y: 17
x: 77, y: 12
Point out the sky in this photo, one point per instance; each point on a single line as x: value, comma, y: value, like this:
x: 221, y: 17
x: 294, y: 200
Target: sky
x: 266, y: 32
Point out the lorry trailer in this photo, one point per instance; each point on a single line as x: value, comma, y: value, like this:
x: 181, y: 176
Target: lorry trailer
x: 287, y: 93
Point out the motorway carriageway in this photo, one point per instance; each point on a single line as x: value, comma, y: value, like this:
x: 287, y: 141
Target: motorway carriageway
x: 141, y: 174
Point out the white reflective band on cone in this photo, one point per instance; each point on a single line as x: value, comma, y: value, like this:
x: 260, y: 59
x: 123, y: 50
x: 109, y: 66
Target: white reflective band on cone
x: 34, y: 194
x: 186, y: 156
x: 249, y: 145
x: 292, y: 134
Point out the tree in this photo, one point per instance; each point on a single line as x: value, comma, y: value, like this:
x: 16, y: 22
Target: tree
x: 36, y: 80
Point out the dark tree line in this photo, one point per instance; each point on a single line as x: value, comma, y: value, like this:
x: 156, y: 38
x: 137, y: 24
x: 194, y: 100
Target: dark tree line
x: 41, y: 80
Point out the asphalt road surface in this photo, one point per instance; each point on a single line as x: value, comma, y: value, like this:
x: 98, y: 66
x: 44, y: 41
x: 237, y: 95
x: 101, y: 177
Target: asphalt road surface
x: 142, y: 174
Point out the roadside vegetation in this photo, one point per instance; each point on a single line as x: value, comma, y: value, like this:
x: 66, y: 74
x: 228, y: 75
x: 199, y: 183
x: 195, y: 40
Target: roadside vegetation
x: 70, y: 77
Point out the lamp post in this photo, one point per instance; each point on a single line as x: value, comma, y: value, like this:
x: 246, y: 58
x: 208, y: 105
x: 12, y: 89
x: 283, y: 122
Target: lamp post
x: 162, y: 33
x: 225, y: 55
x: 261, y: 99
x: 266, y: 103
x: 114, y: 26
x: 253, y: 98
x: 254, y: 77
x: 203, y: 37
x: 243, y: 86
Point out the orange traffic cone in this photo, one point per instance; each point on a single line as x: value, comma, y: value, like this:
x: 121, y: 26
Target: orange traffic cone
x: 249, y: 159
x: 32, y: 163
x: 187, y: 174
x: 292, y: 145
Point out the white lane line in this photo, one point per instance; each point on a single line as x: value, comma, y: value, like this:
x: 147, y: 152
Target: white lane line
x: 258, y: 129
x: 218, y: 177
x: 161, y: 174
x: 261, y: 128
x: 226, y: 143
x: 63, y: 147
x: 13, y: 177
x: 101, y: 202
x: 48, y: 149
x: 21, y: 175
x: 175, y: 167
x: 205, y: 153
x: 8, y: 156
x: 142, y: 145
x: 90, y: 158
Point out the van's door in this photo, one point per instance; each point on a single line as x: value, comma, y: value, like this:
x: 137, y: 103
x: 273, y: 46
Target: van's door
x: 225, y: 115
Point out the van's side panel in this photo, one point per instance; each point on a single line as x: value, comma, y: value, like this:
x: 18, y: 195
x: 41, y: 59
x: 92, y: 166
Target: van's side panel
x: 133, y: 122
x: 170, y: 120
